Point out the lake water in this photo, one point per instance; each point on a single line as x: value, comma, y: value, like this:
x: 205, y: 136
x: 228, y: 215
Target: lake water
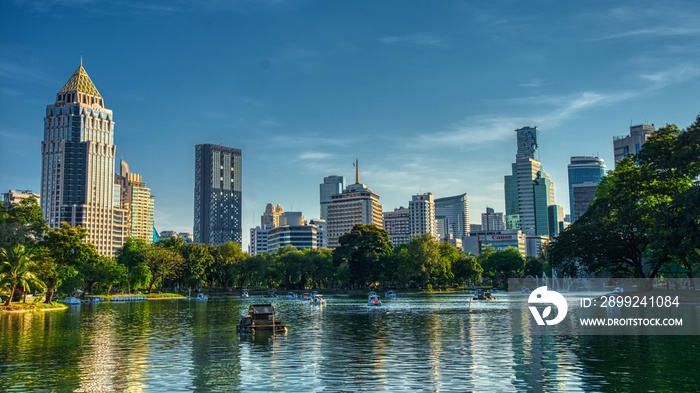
x: 417, y: 342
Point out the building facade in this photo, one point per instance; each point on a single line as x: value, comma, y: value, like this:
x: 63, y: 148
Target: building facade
x: 477, y: 242
x: 16, y: 196
x: 631, y: 144
x: 587, y: 170
x: 331, y: 185
x: 528, y: 188
x: 492, y: 221
x: 217, y: 195
x: 452, y: 214
x: 137, y: 202
x: 422, y: 215
x: 398, y: 224
x: 77, y: 169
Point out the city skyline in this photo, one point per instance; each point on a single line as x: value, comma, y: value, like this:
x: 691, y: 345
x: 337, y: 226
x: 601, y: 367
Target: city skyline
x: 427, y: 97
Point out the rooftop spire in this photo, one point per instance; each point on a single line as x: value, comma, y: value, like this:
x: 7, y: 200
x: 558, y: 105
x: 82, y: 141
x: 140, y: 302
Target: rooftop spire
x: 80, y: 82
x: 357, y: 171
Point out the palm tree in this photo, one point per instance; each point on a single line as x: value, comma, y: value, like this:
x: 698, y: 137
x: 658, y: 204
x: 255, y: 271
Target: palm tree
x: 17, y: 265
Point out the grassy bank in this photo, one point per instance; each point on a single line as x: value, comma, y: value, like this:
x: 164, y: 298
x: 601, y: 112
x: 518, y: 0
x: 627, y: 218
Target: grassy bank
x: 37, y: 305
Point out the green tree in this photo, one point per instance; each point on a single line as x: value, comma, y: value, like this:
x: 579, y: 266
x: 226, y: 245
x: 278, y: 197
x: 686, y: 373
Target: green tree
x: 502, y: 265
x: 228, y: 264
x: 64, y: 251
x: 467, y: 268
x: 21, y: 223
x: 17, y: 270
x: 163, y: 263
x: 133, y: 255
x: 363, y: 249
x: 197, y: 263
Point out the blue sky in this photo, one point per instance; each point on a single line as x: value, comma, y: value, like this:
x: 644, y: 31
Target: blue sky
x: 425, y: 94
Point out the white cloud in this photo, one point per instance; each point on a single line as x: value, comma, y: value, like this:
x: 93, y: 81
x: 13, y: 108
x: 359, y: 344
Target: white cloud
x: 312, y: 155
x: 415, y: 39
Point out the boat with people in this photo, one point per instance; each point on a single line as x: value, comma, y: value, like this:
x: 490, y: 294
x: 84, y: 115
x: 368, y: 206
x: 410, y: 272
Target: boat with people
x: 244, y: 294
x: 201, y: 297
x: 390, y: 294
x: 317, y: 300
x: 373, y: 299
x: 483, y: 294
x: 306, y: 296
x: 261, y: 318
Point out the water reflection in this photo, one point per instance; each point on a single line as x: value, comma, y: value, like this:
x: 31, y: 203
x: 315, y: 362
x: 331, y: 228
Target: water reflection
x: 414, y: 343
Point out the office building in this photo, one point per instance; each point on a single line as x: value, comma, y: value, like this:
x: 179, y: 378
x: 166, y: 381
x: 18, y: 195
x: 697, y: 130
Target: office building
x: 477, y: 242
x: 77, y: 168
x: 357, y: 204
x: 587, y: 170
x: 321, y: 232
x: 137, y: 202
x: 452, y: 214
x: 15, y: 196
x: 557, y: 223
x: 626, y: 145
x: 331, y: 185
x: 298, y: 236
x: 583, y: 196
x: 398, y: 224
x: 421, y: 210
x: 271, y: 217
x: 528, y: 189
x: 217, y: 195
x: 492, y: 221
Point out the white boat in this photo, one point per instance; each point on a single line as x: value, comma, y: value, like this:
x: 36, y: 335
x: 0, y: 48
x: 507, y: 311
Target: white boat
x: 70, y: 300
x: 390, y: 294
x: 244, y: 294
x: 373, y: 300
x: 317, y: 300
x: 201, y: 296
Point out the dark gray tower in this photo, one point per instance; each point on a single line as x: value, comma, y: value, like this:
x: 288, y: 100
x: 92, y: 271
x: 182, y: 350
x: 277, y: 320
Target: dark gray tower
x: 217, y: 195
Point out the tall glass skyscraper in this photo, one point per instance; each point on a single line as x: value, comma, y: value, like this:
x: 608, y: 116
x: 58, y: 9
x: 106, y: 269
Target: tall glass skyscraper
x: 217, y: 195
x: 77, y: 162
x: 528, y: 188
x: 583, y: 171
x: 331, y: 185
x: 454, y: 211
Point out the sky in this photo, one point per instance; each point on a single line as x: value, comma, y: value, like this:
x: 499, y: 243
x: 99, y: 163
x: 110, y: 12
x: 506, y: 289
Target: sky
x: 426, y: 95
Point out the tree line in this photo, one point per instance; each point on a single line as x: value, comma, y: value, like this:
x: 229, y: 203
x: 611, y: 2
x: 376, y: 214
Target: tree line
x: 59, y: 261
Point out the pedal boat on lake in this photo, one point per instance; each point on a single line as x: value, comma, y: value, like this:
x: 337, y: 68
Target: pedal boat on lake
x: 261, y: 318
x: 481, y: 294
x: 318, y: 300
x: 373, y: 300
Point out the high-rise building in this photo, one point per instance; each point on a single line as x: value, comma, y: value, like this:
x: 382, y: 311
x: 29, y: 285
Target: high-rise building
x: 357, y: 204
x: 625, y: 145
x: 584, y: 170
x: 556, y: 220
x: 77, y: 170
x: 331, y: 185
x: 584, y: 194
x: 492, y: 221
x: 398, y: 224
x: 452, y: 214
x: 321, y: 232
x: 422, y: 215
x: 528, y: 188
x: 271, y: 217
x: 217, y: 195
x: 137, y: 201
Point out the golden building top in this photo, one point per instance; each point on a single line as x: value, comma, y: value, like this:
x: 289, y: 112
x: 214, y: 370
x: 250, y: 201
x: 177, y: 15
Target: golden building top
x: 80, y: 82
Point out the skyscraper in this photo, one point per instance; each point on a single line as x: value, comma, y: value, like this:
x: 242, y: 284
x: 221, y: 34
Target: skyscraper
x: 585, y: 171
x: 422, y: 215
x: 137, y: 201
x: 492, y: 221
x: 357, y: 204
x: 331, y: 185
x: 531, y: 186
x: 453, y: 214
x: 217, y: 195
x: 77, y: 162
x: 631, y: 144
